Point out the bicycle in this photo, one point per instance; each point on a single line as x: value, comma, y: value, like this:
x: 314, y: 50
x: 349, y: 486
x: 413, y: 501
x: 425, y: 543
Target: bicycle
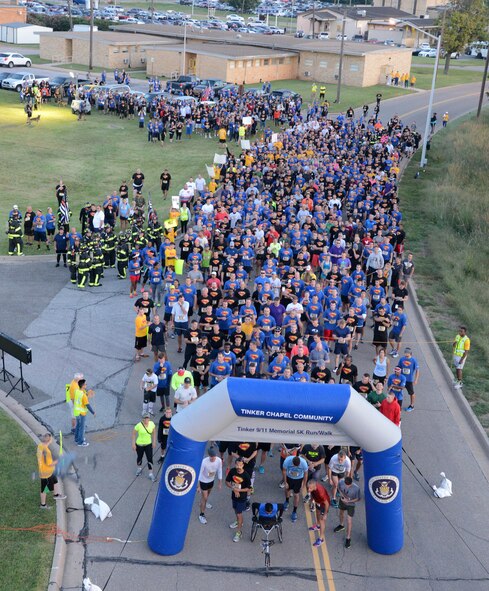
x: 266, y: 542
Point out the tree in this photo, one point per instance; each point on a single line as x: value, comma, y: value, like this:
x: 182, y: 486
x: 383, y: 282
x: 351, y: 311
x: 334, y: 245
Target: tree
x: 464, y: 22
x: 244, y: 5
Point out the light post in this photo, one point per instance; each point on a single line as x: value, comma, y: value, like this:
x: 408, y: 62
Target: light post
x: 423, y: 162
x: 90, y: 55
x: 483, y: 87
x: 340, y: 67
x: 184, y: 55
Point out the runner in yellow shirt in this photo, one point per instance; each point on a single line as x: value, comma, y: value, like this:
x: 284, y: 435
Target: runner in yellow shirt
x: 141, y: 334
x: 71, y: 388
x: 46, y: 466
x: 143, y: 442
x: 461, y: 348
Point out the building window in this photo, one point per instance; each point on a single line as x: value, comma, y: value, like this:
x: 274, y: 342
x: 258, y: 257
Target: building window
x: 257, y: 63
x: 124, y: 50
x: 232, y: 65
x: 266, y: 62
x: 323, y: 64
x: 115, y: 51
x: 308, y: 63
x: 240, y: 64
x: 280, y: 60
x: 287, y: 60
x: 142, y: 50
x: 354, y: 68
x: 249, y: 63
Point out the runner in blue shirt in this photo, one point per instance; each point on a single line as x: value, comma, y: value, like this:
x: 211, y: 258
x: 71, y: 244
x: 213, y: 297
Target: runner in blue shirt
x: 219, y: 370
x: 294, y: 471
x: 410, y: 370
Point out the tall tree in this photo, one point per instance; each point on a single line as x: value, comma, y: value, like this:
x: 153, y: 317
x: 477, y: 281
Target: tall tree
x: 464, y: 22
x: 244, y: 5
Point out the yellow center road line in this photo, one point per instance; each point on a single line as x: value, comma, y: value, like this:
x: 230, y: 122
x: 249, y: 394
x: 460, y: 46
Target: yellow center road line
x: 316, y: 556
x: 449, y: 100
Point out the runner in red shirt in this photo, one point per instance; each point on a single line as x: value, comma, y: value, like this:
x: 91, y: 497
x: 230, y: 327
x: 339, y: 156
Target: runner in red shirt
x: 390, y: 408
x: 321, y: 497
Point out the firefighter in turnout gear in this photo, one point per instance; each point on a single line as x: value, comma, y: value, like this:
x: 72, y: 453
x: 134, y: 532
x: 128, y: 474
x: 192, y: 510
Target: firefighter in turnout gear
x: 84, y: 266
x: 155, y: 232
x: 108, y: 247
x: 122, y: 253
x: 73, y: 260
x: 14, y: 233
x: 97, y: 266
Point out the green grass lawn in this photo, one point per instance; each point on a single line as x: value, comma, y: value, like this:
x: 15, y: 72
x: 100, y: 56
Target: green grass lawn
x: 25, y: 557
x: 424, y: 77
x: 92, y: 157
x: 446, y: 219
x: 460, y: 63
x: 36, y: 60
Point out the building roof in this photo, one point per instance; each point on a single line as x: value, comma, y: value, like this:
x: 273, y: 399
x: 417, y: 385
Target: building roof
x: 108, y: 37
x: 23, y: 26
x: 276, y: 43
x: 226, y: 51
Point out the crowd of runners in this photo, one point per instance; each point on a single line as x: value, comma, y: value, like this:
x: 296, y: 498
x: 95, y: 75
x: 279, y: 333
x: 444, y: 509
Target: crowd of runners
x: 283, y: 266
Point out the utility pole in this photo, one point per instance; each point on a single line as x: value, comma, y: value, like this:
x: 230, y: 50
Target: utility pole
x: 340, y: 68
x: 90, y: 56
x: 70, y: 16
x: 313, y: 17
x: 184, y: 55
x: 483, y: 86
x: 429, y: 113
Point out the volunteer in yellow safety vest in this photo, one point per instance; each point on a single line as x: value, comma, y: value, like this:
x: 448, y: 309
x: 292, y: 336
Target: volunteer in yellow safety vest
x: 70, y: 390
x: 80, y: 407
x: 46, y: 466
x: 461, y: 348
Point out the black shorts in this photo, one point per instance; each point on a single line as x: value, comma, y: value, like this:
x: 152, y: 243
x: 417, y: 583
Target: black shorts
x: 350, y: 509
x: 410, y: 388
x: 225, y: 446
x: 167, y: 317
x: 28, y: 232
x: 329, y: 453
x: 295, y: 484
x: 50, y: 232
x: 378, y: 378
x: 345, y: 299
x: 341, y: 349
x: 140, y: 342
x: 338, y: 475
x: 356, y: 452
x: 359, y: 329
x: 206, y: 485
x: 395, y: 336
x: 149, y: 397
x: 48, y: 483
x: 200, y: 380
x: 265, y: 446
x: 40, y: 236
x: 158, y: 348
x: 165, y: 391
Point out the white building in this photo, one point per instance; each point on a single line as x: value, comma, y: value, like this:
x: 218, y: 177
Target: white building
x: 22, y: 33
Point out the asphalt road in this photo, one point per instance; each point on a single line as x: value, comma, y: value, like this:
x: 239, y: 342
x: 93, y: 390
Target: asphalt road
x: 446, y: 541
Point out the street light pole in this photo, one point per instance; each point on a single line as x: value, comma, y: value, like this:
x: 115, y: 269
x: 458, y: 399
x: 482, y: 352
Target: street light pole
x: 340, y: 68
x: 90, y: 55
x: 184, y: 57
x: 423, y: 160
x: 483, y: 86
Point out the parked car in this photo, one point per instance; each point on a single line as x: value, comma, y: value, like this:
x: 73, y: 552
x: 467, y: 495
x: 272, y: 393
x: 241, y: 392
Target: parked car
x: 323, y: 35
x: 17, y: 81
x: 284, y: 93
x: 235, y: 18
x: 226, y: 88
x: 10, y: 60
x: 182, y: 84
x: 299, y: 34
x: 65, y: 81
x: 358, y: 38
x: 213, y: 83
x: 427, y: 53
x: 340, y: 36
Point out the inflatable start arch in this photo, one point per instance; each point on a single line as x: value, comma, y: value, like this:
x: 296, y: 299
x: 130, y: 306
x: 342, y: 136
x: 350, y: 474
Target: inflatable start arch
x: 276, y: 411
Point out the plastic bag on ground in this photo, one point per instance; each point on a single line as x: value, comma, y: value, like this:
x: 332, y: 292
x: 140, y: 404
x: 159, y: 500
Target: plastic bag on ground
x: 444, y: 489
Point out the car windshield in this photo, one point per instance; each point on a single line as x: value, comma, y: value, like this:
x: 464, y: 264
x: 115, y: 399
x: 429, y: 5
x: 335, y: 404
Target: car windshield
x: 58, y: 80
x: 17, y: 76
x: 4, y: 55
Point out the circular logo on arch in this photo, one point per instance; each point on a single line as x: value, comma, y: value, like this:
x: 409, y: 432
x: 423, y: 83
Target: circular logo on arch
x: 384, y: 489
x: 179, y: 479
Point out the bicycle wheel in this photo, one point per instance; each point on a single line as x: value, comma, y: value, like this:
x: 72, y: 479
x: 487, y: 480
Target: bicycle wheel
x: 254, y: 529
x: 279, y: 533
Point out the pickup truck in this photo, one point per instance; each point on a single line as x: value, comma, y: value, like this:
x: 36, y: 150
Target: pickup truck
x: 17, y: 81
x: 182, y: 84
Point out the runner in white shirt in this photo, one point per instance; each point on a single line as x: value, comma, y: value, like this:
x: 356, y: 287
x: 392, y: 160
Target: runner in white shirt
x: 185, y: 395
x: 149, y: 385
x: 339, y: 466
x: 211, y: 466
x: 200, y: 183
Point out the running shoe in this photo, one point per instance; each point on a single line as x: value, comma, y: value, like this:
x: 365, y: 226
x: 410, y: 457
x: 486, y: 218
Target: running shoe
x: 318, y: 542
x: 202, y: 519
x: 208, y: 506
x: 339, y: 528
x: 261, y: 470
x: 314, y: 527
x: 293, y: 517
x: 152, y: 477
x: 458, y: 385
x: 306, y: 498
x: 233, y: 525
x: 59, y: 497
x: 286, y: 505
x: 410, y: 409
x: 356, y: 476
x: 334, y: 503
x: 237, y: 536
x: 281, y: 484
x: 44, y: 507
x: 138, y: 471
x: 84, y: 444
x: 347, y: 543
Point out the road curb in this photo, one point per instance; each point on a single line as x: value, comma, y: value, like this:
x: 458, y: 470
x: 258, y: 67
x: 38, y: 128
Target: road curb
x: 34, y: 429
x: 449, y: 393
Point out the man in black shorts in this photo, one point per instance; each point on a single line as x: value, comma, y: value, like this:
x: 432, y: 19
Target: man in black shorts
x: 46, y: 465
x: 163, y: 431
x: 210, y: 468
x: 240, y: 484
x: 199, y: 366
x: 349, y: 496
x: 264, y: 448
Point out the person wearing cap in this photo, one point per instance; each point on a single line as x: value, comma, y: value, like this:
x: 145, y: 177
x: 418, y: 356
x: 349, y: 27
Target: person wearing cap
x: 179, y: 377
x: 180, y: 313
x: 185, y: 394
x: 149, y: 385
x: 14, y: 233
x: 209, y: 469
x: 143, y: 442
